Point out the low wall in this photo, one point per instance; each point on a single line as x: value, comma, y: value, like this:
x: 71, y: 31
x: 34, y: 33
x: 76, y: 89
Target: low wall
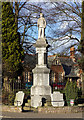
x: 65, y: 109
x: 11, y: 108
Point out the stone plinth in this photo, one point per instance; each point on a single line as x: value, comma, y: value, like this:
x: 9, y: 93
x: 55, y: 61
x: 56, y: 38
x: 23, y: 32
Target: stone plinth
x: 40, y: 88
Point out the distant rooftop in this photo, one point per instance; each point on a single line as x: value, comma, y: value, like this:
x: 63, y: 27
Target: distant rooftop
x: 67, y: 63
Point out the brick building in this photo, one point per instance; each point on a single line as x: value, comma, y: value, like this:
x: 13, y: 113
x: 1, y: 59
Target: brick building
x: 61, y: 68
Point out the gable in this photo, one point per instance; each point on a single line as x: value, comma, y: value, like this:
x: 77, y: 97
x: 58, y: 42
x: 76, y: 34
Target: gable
x: 57, y: 68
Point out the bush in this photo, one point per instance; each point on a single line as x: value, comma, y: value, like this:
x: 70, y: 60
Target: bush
x: 71, y: 91
x: 80, y: 93
x: 11, y: 98
x: 5, y: 97
x: 8, y: 98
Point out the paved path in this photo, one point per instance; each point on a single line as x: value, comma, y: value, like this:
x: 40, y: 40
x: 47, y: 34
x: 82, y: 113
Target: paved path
x: 40, y: 115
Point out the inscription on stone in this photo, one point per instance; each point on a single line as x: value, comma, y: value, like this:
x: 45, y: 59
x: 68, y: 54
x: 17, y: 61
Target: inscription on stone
x: 57, y: 99
x: 19, y: 98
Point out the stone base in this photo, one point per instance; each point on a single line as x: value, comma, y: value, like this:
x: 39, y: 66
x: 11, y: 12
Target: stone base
x: 36, y: 100
x: 39, y: 92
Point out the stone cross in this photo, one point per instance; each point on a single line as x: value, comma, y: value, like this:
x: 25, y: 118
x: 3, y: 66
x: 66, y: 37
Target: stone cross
x: 41, y: 26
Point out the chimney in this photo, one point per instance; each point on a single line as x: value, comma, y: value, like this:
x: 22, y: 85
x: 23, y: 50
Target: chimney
x: 72, y: 53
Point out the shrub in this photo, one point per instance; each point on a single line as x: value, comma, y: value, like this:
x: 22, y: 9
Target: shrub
x: 80, y: 93
x: 8, y: 97
x: 11, y: 98
x: 71, y: 91
x: 5, y: 97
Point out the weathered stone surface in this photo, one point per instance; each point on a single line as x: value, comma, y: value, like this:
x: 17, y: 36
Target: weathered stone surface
x: 40, y: 79
x: 36, y: 100
x: 41, y: 69
x: 40, y: 89
x: 19, y: 98
x: 41, y: 43
x: 65, y: 109
x: 11, y: 108
x: 57, y: 99
x: 41, y: 26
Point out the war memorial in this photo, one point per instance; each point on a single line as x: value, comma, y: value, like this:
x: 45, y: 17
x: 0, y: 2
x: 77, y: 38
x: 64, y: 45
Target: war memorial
x: 41, y: 90
x: 41, y: 93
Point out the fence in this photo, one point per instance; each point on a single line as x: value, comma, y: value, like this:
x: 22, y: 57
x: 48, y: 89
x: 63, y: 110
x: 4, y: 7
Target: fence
x: 11, y: 86
x: 9, y: 89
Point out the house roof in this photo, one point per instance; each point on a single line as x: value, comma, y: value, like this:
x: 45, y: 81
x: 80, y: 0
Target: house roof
x: 67, y: 64
x: 29, y: 62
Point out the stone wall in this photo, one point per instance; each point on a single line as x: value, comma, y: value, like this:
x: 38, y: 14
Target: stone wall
x: 65, y: 109
x: 11, y: 108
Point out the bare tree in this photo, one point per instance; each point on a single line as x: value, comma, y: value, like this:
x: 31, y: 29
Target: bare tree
x: 81, y: 48
x: 66, y: 20
x: 63, y: 23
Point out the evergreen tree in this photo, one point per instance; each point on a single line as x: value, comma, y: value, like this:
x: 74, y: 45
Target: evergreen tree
x: 12, y: 51
x: 71, y: 91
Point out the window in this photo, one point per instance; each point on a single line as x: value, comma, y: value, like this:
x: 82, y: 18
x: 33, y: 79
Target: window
x: 56, y: 62
x: 60, y: 77
x: 28, y: 76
